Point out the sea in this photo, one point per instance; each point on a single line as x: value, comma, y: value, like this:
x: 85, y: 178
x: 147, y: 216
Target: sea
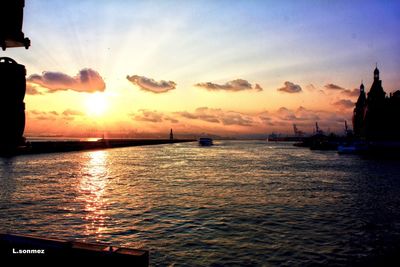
x: 237, y: 203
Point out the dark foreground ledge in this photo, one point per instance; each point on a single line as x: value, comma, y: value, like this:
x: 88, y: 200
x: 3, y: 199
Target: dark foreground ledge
x: 31, y: 247
x: 66, y: 146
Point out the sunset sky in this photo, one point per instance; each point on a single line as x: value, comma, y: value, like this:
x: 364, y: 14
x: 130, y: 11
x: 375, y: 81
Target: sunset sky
x: 221, y: 67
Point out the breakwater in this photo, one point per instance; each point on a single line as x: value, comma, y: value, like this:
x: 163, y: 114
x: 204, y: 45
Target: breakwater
x: 38, y: 147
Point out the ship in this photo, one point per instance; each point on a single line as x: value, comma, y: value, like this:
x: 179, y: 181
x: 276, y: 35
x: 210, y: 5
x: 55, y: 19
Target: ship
x: 205, y: 141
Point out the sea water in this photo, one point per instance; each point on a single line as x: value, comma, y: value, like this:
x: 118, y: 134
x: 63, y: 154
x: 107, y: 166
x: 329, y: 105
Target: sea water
x: 247, y: 203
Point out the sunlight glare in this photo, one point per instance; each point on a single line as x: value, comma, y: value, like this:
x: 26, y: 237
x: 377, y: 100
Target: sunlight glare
x: 96, y: 104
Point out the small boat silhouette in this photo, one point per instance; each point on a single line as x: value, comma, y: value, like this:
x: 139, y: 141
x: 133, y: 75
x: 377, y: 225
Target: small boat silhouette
x: 205, y: 141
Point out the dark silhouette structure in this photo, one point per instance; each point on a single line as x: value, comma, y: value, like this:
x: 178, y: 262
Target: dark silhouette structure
x: 171, y: 135
x: 63, y: 250
x: 12, y: 77
x: 11, y: 19
x: 12, y: 106
x: 376, y: 116
x: 297, y: 132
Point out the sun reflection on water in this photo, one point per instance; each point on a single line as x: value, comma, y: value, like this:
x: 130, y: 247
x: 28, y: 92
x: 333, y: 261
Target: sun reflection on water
x: 91, y: 192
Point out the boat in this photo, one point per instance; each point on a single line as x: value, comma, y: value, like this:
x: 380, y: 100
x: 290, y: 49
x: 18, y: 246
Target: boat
x: 353, y: 148
x: 347, y: 149
x: 205, y: 141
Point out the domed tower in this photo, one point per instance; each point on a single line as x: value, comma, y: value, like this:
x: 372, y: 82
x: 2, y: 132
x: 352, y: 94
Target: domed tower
x: 359, y: 111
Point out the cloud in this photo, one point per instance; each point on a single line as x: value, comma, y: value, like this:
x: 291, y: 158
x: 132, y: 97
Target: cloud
x: 344, y: 103
x: 301, y: 114
x: 71, y: 112
x: 305, y: 119
x: 202, y: 113
x: 42, y: 115
x: 87, y: 80
x: 232, y: 86
x: 171, y: 119
x: 148, y: 115
x: 351, y: 93
x: 236, y: 119
x: 310, y: 87
x: 290, y: 88
x: 152, y: 116
x: 265, y: 117
x: 150, y: 85
x: 331, y: 86
x: 187, y: 115
x: 218, y: 116
x: 32, y: 90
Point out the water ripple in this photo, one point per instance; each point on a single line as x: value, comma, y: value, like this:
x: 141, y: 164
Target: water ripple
x: 237, y: 203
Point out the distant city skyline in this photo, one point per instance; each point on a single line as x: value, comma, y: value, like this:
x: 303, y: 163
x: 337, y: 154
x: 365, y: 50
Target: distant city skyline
x: 221, y: 67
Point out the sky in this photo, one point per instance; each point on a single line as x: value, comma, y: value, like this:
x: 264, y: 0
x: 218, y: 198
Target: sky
x: 133, y: 68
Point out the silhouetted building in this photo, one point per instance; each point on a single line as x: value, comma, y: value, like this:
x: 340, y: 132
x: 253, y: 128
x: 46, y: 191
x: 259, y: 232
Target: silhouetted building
x: 171, y: 135
x: 12, y: 106
x: 376, y: 117
x: 11, y: 19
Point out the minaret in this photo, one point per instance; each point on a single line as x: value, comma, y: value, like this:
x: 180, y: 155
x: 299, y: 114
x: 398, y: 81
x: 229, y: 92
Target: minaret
x: 171, y: 135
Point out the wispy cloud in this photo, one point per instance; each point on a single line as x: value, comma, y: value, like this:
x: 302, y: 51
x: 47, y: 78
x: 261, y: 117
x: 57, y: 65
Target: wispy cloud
x: 32, y: 90
x: 87, y: 80
x: 220, y: 116
x: 344, y: 103
x: 351, y: 93
x: 331, y: 86
x: 72, y: 112
x: 42, y: 115
x: 301, y: 114
x: 151, y: 85
x: 152, y: 116
x: 290, y: 87
x: 232, y: 86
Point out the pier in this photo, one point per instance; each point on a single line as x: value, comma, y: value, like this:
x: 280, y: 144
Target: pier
x: 38, y: 147
x: 16, y: 246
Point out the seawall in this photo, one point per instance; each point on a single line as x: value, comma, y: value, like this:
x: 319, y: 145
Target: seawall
x: 38, y: 147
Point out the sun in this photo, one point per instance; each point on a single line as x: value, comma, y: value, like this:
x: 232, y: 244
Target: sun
x: 96, y: 104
